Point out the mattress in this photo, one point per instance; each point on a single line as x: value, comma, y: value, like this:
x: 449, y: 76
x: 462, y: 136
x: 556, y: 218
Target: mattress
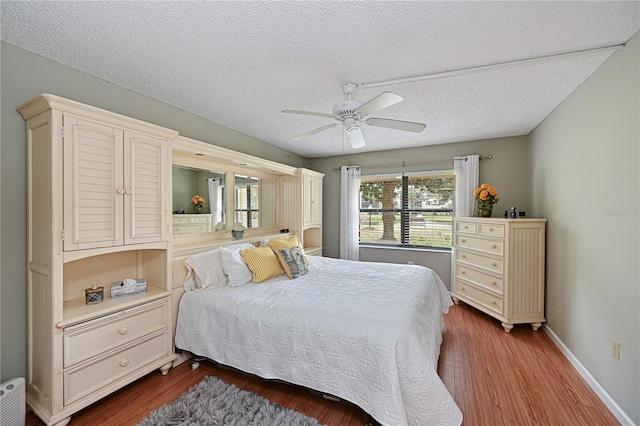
x: 369, y: 333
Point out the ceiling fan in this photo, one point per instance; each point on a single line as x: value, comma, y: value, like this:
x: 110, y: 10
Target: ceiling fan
x: 351, y: 113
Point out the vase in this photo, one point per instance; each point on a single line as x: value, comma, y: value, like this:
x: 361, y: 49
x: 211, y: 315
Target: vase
x: 485, y: 212
x: 237, y: 234
x: 197, y: 209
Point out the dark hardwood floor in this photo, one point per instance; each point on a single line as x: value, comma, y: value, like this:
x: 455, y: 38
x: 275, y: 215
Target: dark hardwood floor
x: 496, y: 378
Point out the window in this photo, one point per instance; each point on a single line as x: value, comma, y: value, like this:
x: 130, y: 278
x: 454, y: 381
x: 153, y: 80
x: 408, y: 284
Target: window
x: 413, y: 210
x: 247, y: 209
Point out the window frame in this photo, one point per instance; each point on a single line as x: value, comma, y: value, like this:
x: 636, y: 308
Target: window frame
x: 406, y: 211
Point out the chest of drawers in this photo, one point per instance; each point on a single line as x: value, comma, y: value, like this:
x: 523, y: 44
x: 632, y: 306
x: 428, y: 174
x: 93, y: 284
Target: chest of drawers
x: 192, y: 224
x: 499, y: 268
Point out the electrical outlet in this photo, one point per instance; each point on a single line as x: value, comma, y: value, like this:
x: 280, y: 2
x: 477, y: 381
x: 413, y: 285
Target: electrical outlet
x: 410, y: 262
x: 615, y: 349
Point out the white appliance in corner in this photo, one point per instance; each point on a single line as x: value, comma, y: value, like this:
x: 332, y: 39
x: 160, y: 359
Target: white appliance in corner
x: 12, y: 402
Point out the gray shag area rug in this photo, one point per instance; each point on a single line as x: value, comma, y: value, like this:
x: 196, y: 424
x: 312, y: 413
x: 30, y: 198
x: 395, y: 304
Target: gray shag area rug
x: 213, y: 402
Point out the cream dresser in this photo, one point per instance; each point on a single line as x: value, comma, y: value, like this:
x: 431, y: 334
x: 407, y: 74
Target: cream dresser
x: 98, y: 211
x: 499, y: 268
x: 184, y: 224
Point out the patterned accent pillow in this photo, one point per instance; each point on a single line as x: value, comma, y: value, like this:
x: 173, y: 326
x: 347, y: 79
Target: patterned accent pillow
x: 262, y: 263
x: 294, y: 261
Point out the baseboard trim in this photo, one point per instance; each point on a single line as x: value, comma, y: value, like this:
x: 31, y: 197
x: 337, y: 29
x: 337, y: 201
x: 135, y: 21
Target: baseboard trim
x: 615, y: 409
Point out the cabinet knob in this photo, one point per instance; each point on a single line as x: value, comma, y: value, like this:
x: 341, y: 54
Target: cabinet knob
x: 120, y: 191
x: 493, y: 301
x: 494, y: 283
x: 466, y: 227
x: 463, y: 256
x: 462, y: 288
x: 493, y: 246
x: 490, y: 229
x: 128, y: 192
x: 463, y: 272
x: 494, y: 264
x: 124, y: 363
x: 124, y: 330
x: 463, y: 240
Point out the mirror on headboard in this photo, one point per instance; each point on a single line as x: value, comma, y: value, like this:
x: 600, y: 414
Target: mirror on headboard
x: 255, y: 201
x: 209, y: 186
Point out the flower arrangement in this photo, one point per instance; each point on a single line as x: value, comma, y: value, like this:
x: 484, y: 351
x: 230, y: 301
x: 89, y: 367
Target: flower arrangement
x: 220, y: 226
x: 197, y: 202
x: 486, y: 196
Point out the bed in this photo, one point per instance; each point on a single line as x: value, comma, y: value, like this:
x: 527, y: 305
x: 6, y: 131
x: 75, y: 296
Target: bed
x: 369, y: 333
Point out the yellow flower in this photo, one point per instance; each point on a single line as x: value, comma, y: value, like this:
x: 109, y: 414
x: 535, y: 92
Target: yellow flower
x: 197, y: 200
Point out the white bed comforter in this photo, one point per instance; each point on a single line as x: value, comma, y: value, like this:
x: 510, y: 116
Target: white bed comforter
x: 369, y: 333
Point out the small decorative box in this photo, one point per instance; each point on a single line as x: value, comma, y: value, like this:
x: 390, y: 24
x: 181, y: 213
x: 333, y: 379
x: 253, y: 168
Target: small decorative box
x: 128, y: 287
x: 94, y: 294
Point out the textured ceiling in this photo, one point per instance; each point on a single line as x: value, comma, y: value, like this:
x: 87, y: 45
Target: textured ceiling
x: 240, y: 63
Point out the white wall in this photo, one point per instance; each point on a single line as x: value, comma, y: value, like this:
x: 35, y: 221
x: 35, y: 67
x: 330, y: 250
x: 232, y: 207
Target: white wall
x: 584, y: 177
x: 507, y: 171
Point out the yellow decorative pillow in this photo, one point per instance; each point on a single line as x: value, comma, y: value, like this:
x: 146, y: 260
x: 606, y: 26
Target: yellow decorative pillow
x: 282, y: 243
x: 262, y: 263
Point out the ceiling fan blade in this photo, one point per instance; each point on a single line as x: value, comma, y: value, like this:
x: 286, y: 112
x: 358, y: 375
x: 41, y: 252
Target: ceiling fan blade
x: 355, y: 137
x: 380, y: 102
x: 408, y: 126
x: 319, y: 114
x: 313, y: 132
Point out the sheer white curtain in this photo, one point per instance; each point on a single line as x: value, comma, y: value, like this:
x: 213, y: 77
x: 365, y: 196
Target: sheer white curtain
x: 349, y: 212
x: 215, y: 200
x: 466, y: 170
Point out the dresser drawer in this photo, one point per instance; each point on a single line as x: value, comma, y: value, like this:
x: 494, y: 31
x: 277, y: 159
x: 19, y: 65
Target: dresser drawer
x: 471, y: 293
x: 90, y: 377
x: 466, y: 227
x: 190, y: 229
x: 92, y: 338
x: 491, y: 264
x: 480, y: 279
x: 199, y: 219
x: 491, y: 230
x: 183, y: 220
x: 495, y: 247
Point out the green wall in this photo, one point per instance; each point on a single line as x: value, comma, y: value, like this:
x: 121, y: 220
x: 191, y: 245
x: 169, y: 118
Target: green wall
x: 506, y: 170
x: 584, y: 160
x: 25, y: 76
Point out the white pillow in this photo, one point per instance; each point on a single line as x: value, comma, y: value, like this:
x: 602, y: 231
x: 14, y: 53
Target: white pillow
x: 205, y: 271
x: 235, y: 266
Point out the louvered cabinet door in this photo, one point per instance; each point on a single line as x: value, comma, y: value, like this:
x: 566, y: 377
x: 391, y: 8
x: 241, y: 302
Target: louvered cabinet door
x: 145, y: 209
x: 93, y: 184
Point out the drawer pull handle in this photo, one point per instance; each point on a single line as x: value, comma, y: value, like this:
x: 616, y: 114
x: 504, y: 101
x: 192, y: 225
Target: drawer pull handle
x: 124, y: 363
x: 124, y: 330
x: 493, y: 301
x: 494, y: 246
x: 463, y: 272
x: 463, y: 289
x: 463, y: 256
x: 494, y: 264
x: 463, y: 240
x: 494, y: 283
x: 466, y: 227
x: 490, y: 229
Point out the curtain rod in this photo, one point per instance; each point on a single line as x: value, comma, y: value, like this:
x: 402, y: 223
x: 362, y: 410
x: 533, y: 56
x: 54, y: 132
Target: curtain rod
x: 406, y: 163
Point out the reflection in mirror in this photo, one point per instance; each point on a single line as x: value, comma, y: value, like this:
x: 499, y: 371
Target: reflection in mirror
x: 209, y: 185
x: 256, y: 201
x: 247, y: 208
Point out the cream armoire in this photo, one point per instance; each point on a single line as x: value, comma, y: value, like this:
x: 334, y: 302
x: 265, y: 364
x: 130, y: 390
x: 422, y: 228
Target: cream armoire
x: 99, y: 211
